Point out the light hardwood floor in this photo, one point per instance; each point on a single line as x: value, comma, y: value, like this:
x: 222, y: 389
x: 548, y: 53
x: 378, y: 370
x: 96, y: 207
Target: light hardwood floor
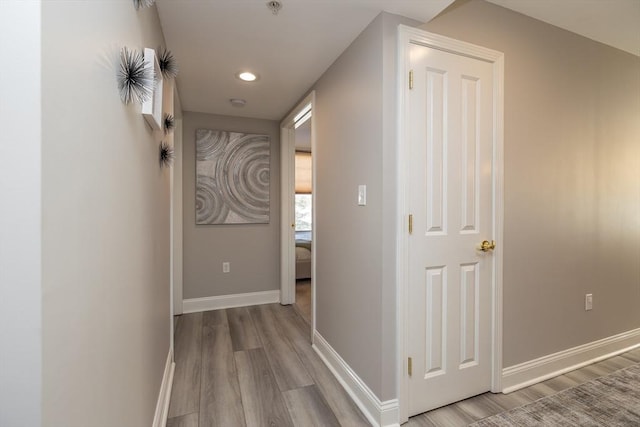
x: 254, y: 366
x: 468, y: 411
x: 303, y: 299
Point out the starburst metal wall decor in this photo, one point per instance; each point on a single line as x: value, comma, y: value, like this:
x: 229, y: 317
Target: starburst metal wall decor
x: 136, y: 81
x: 169, y: 123
x: 143, y: 3
x: 168, y: 64
x: 166, y: 154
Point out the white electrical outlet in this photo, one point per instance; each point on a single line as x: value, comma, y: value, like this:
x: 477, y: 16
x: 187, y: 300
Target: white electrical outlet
x: 588, y: 302
x: 226, y: 267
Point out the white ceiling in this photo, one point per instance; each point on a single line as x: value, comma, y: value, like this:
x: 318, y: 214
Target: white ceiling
x: 612, y: 22
x: 214, y: 39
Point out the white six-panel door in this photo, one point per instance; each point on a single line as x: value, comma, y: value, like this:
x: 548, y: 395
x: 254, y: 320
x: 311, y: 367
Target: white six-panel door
x: 450, y: 131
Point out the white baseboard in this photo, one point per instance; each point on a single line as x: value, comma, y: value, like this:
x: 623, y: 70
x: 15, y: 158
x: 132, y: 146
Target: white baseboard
x: 379, y: 414
x: 540, y: 369
x: 164, y: 397
x: 194, y: 305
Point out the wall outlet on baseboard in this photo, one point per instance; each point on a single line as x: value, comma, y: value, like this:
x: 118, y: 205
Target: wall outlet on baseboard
x: 226, y: 267
x: 588, y: 302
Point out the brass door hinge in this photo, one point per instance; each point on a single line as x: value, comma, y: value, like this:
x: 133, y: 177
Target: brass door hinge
x: 411, y: 79
x: 410, y: 366
x: 410, y: 224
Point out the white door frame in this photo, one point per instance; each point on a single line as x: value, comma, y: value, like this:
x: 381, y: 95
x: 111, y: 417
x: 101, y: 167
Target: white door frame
x: 175, y: 216
x: 406, y: 37
x: 176, y: 210
x: 287, y: 213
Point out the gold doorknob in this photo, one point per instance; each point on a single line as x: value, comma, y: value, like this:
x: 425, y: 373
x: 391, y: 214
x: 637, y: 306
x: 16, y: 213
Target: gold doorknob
x: 293, y: 226
x: 485, y: 246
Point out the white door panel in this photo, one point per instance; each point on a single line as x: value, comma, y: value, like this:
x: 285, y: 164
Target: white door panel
x: 451, y: 134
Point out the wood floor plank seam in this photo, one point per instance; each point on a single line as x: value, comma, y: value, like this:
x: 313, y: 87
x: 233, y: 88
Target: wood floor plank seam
x: 244, y: 334
x: 265, y: 403
x: 307, y: 407
x: 284, y: 361
x: 187, y: 420
x: 202, y: 367
x: 336, y: 396
x: 187, y: 355
x: 221, y: 402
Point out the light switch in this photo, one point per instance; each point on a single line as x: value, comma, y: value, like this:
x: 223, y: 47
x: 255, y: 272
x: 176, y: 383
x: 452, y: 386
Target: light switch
x: 362, y: 195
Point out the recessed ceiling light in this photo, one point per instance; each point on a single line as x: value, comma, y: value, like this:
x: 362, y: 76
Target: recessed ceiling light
x: 237, y: 102
x: 247, y: 76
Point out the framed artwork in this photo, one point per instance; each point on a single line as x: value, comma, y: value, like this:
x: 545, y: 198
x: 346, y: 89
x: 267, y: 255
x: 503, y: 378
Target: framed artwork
x: 232, y: 177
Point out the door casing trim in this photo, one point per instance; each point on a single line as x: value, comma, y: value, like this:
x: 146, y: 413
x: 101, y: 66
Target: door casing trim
x: 406, y: 37
x: 287, y: 213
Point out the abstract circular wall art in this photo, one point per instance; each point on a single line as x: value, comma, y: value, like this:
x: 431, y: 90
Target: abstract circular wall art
x: 232, y: 177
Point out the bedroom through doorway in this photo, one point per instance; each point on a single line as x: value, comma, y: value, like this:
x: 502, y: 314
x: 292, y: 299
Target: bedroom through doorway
x: 298, y: 231
x: 303, y: 213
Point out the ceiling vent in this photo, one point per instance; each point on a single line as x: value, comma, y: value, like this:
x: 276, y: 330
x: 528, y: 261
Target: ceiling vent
x: 238, y: 103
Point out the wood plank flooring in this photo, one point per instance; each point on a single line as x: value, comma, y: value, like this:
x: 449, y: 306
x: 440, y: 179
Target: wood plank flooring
x: 303, y: 299
x: 186, y: 378
x: 254, y: 366
x: 468, y: 411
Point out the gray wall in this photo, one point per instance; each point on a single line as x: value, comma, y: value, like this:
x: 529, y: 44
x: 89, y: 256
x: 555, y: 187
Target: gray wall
x: 105, y: 223
x: 355, y: 273
x: 252, y: 249
x: 572, y: 180
x: 572, y: 183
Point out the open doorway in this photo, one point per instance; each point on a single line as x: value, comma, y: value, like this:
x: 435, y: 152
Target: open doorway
x: 303, y: 213
x: 298, y: 239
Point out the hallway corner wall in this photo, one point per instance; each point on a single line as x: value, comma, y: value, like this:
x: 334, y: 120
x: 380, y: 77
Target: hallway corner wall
x: 355, y: 116
x: 253, y: 250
